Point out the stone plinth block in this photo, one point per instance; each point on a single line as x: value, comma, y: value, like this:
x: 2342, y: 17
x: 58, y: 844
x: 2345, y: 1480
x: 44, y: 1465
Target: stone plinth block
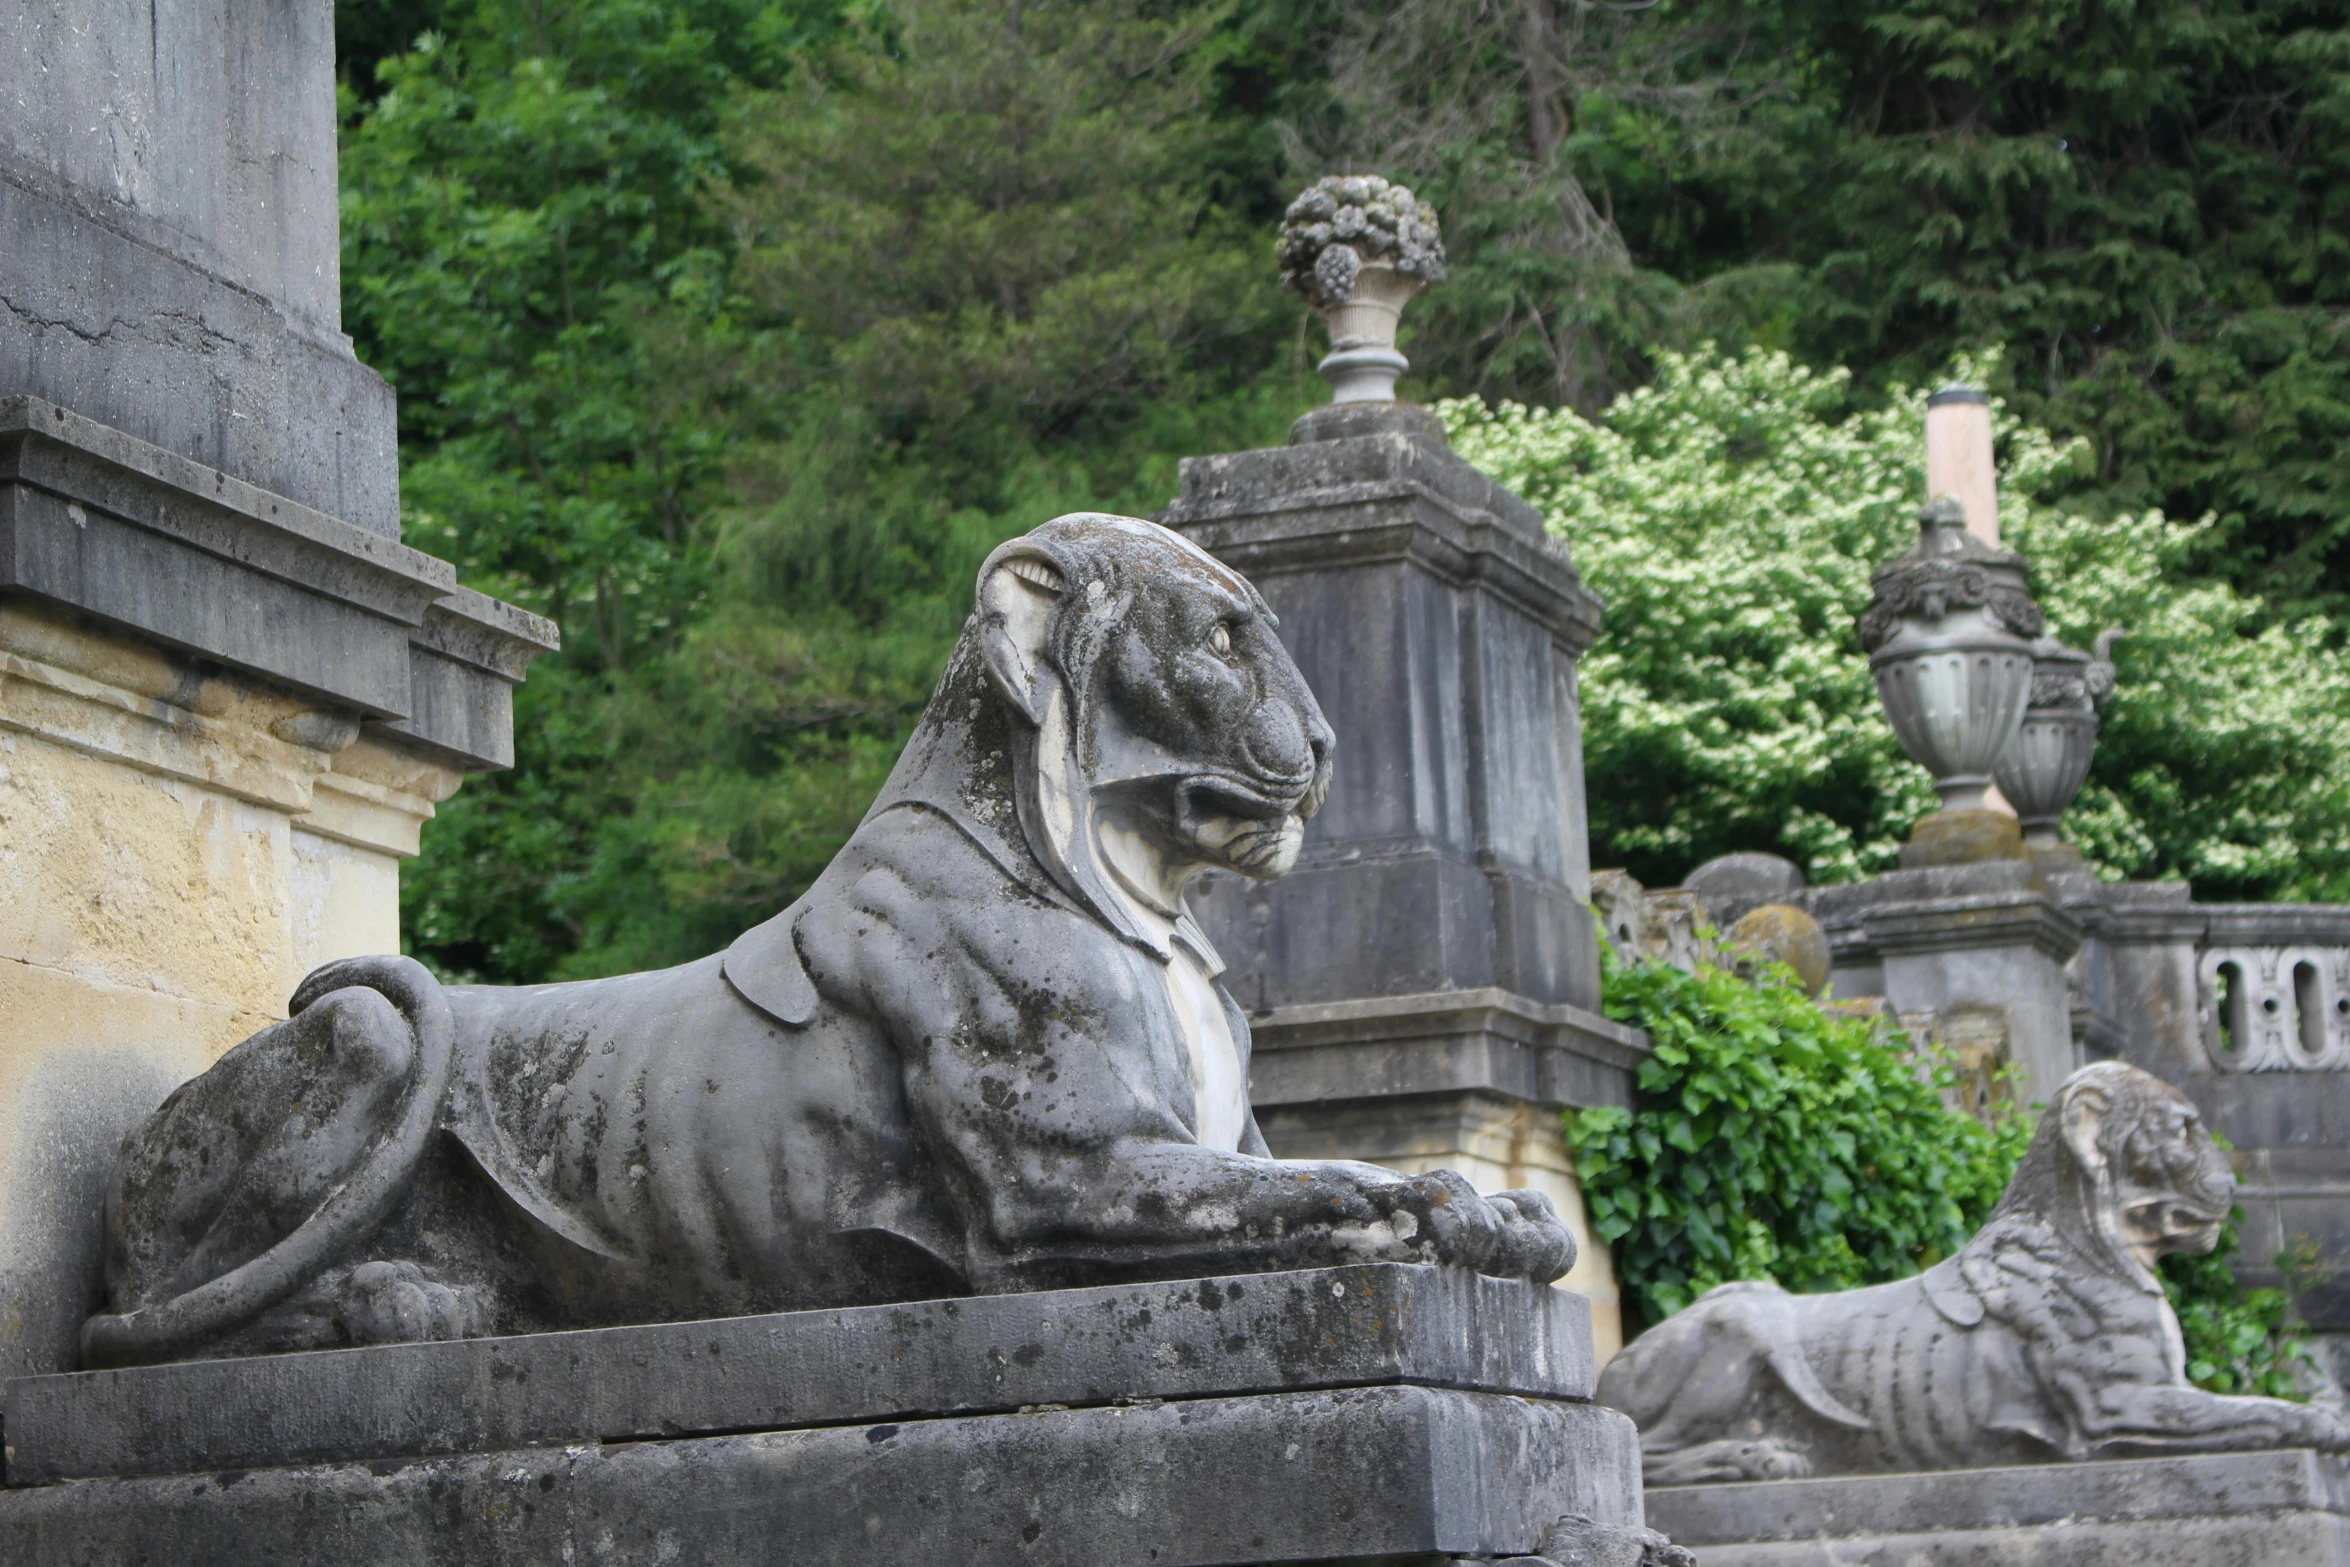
x: 1424, y: 988
x: 1439, y: 624
x: 1360, y: 1475
x: 1989, y: 936
x: 168, y: 211
x: 1336, y: 1414
x: 2274, y: 1509
x: 1336, y: 1327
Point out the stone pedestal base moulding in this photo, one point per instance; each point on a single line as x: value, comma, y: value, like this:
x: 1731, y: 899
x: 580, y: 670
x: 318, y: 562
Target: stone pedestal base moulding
x: 1362, y: 1414
x: 2280, y: 1509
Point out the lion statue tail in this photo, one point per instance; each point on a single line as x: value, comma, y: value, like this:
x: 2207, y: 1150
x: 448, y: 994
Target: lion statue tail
x: 349, y: 1211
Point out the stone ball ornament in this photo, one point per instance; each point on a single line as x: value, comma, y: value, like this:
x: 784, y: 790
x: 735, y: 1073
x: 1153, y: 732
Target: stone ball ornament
x: 1358, y: 249
x: 2046, y: 763
x: 2046, y: 1338
x: 987, y: 1051
x: 1782, y: 933
x: 1949, y: 632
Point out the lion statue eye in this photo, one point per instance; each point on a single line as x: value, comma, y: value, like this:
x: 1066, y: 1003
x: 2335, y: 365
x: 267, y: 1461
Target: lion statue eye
x: 1220, y: 639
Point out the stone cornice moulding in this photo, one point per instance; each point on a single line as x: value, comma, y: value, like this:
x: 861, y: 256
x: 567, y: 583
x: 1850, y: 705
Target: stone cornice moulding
x: 1971, y: 921
x: 107, y: 697
x: 183, y: 555
x: 1387, y: 495
x: 2276, y: 924
x: 1444, y: 1041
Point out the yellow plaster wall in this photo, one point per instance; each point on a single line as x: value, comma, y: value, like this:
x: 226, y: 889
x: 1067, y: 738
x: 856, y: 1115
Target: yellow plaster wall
x: 1496, y: 1144
x: 177, y: 849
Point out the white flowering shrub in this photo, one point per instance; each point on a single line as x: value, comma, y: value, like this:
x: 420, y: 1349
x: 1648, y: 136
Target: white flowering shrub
x: 1730, y: 515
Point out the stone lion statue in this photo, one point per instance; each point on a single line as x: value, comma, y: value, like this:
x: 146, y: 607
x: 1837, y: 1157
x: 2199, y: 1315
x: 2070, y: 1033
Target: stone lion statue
x: 986, y: 1052
x: 2046, y: 1337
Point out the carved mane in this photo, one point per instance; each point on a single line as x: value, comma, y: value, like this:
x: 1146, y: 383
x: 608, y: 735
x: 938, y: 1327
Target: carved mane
x: 1010, y: 768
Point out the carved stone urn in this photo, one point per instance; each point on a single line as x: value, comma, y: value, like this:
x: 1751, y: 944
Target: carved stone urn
x: 1948, y: 633
x: 2046, y: 763
x: 1359, y: 249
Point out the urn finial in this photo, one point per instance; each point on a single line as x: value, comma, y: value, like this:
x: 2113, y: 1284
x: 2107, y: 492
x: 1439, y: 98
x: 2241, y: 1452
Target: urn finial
x: 2045, y: 765
x: 1358, y: 249
x: 1948, y: 634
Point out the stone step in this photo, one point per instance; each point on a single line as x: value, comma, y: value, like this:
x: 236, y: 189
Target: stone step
x: 2273, y: 1509
x: 1190, y: 1339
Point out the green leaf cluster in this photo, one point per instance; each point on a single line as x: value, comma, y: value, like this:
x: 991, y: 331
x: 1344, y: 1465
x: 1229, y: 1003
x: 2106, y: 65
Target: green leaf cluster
x: 1773, y: 1139
x: 1730, y: 514
x: 2238, y: 1340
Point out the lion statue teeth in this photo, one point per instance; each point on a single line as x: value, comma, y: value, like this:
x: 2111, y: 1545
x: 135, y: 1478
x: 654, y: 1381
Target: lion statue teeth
x: 987, y: 1051
x: 2047, y: 1337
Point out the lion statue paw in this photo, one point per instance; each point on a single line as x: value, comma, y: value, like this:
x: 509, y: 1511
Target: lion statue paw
x: 402, y: 1303
x: 1580, y: 1541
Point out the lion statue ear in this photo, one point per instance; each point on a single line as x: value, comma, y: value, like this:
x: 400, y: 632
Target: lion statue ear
x: 2084, y: 1118
x: 1019, y: 594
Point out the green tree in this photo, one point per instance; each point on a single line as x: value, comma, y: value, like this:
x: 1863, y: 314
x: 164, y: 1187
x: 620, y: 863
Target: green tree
x: 528, y: 254
x: 2144, y: 203
x: 1730, y: 515
x: 731, y: 336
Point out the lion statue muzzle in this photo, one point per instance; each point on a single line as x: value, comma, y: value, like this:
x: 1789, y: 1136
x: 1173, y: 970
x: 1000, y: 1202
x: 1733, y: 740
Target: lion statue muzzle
x: 987, y: 1051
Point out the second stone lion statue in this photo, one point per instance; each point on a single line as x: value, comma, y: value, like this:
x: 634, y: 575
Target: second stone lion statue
x: 986, y: 1051
x: 2046, y: 1337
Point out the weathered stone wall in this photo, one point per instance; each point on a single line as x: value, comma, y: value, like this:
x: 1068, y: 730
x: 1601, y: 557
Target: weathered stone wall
x: 168, y: 205
x: 178, y: 846
x: 229, y: 697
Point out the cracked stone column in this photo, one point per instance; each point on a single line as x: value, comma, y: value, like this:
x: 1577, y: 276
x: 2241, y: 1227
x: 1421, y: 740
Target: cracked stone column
x: 229, y: 696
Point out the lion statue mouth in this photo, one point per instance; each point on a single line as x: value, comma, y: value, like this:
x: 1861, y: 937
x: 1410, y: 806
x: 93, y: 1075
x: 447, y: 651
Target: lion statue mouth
x: 1255, y: 827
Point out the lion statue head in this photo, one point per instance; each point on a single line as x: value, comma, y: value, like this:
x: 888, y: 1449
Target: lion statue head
x: 1120, y: 707
x: 2123, y: 1162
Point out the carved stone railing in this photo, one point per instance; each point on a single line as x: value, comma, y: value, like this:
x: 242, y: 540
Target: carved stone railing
x: 2276, y: 1009
x: 2273, y: 988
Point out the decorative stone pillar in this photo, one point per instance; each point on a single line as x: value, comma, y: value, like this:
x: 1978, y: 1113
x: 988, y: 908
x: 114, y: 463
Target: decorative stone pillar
x: 1988, y: 937
x: 1424, y: 988
x: 229, y: 696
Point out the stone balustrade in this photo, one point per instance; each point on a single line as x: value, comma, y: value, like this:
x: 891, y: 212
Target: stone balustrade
x: 2275, y: 1007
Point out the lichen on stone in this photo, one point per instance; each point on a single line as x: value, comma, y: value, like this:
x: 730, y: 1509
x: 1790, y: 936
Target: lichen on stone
x: 1344, y: 221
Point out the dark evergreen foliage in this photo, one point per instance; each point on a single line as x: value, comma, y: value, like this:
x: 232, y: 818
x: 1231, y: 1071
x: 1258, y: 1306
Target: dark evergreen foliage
x: 730, y: 332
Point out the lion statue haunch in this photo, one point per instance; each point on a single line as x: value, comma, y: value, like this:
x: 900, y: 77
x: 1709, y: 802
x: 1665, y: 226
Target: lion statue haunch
x: 2046, y: 1337
x: 986, y: 1052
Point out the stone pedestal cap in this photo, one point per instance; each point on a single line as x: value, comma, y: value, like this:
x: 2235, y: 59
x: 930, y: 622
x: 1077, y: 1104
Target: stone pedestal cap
x: 1962, y: 838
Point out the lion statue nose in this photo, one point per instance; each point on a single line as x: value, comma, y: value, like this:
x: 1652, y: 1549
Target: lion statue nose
x: 1276, y: 745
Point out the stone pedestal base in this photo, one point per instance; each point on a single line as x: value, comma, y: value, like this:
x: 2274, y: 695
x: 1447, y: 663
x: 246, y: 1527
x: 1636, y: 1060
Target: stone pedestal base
x: 1472, y: 1081
x: 1985, y: 938
x: 1363, y: 1414
x: 2285, y: 1509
